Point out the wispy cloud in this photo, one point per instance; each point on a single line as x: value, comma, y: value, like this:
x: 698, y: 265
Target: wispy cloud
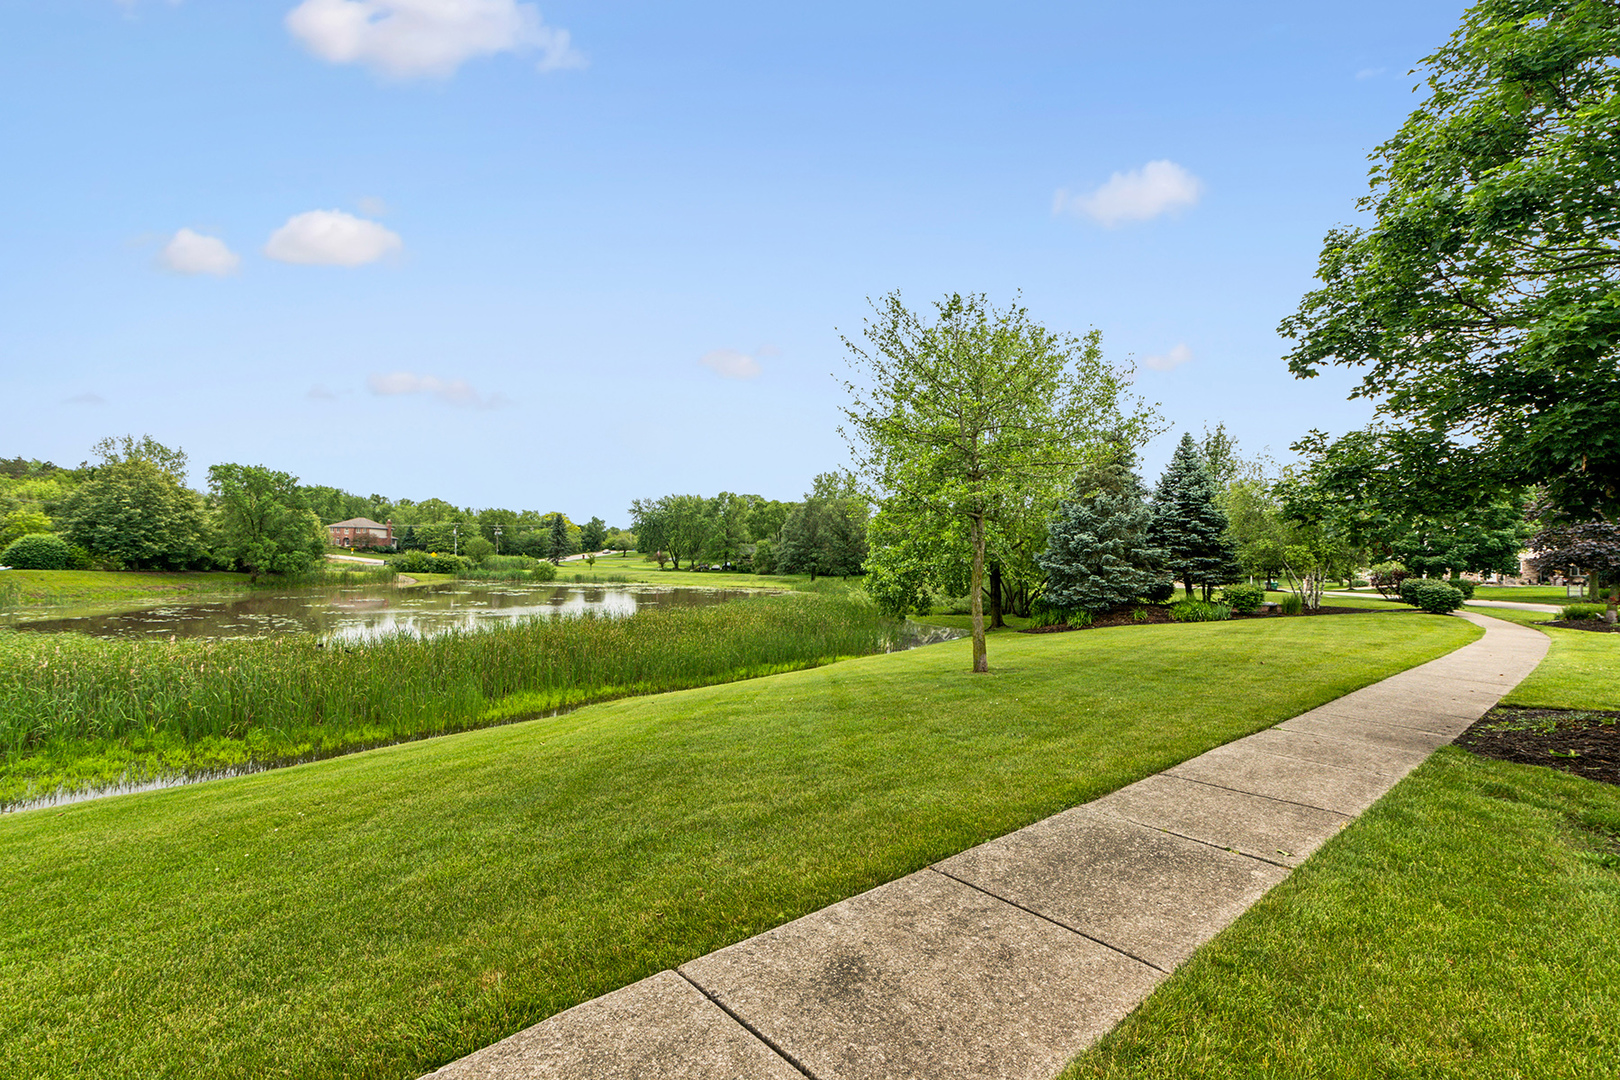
x: 1369, y: 73
x: 190, y: 252
x: 319, y: 392
x: 331, y: 238
x: 731, y: 364
x: 450, y: 391
x: 85, y: 399
x: 1179, y: 354
x: 415, y: 38
x: 1159, y: 187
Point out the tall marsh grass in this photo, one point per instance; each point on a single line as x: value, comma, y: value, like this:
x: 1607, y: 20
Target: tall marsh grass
x: 79, y: 713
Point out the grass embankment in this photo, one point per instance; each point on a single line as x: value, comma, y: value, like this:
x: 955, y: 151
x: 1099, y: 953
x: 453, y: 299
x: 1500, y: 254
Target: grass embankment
x: 1468, y: 925
x: 52, y: 588
x: 79, y: 712
x: 1525, y: 594
x: 379, y: 914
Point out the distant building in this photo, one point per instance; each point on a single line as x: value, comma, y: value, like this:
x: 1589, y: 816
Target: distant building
x: 361, y: 532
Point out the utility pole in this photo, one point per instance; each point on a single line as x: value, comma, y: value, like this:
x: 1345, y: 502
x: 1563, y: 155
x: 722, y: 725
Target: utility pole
x: 497, y: 539
x: 455, y: 539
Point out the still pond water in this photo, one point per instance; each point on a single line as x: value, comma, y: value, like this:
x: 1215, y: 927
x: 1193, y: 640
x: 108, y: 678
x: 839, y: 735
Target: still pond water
x: 354, y: 615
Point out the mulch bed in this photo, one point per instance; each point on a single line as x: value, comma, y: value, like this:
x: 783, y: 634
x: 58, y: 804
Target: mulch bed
x: 1595, y: 625
x: 1148, y: 614
x: 1585, y: 742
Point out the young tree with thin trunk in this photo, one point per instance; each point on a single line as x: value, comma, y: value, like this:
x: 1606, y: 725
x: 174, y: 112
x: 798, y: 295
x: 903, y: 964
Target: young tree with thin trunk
x: 969, y: 416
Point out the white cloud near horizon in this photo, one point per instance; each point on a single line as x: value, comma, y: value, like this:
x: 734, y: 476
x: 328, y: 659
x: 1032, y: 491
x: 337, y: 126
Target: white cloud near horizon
x: 87, y: 398
x: 731, y: 364
x: 449, y: 391
x: 189, y: 252
x: 1179, y: 354
x: 1159, y: 187
x: 427, y: 38
x: 331, y: 238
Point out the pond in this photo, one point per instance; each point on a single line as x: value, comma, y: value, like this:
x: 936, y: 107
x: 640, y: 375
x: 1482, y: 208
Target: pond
x: 354, y: 615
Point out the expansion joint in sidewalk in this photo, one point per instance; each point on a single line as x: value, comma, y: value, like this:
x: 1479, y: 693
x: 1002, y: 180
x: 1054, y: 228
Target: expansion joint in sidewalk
x: 1047, y: 918
x: 763, y: 1038
x: 1273, y: 798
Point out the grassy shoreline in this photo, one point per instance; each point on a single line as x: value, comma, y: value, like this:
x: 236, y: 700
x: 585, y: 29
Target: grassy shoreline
x: 78, y: 713
x: 380, y: 914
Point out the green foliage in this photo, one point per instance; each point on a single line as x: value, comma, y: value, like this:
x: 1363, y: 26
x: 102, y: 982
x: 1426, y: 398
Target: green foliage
x: 1098, y: 553
x: 478, y: 550
x: 38, y: 551
x: 1577, y: 612
x: 1189, y: 525
x: 979, y: 417
x: 826, y: 533
x: 1482, y: 302
x: 264, y: 526
x: 1464, y: 586
x: 137, y: 510
x: 423, y: 562
x: 1435, y: 597
x: 1199, y: 611
x: 1243, y: 599
x: 1387, y: 578
x: 22, y: 522
x: 593, y: 535
x: 764, y: 558
x: 1047, y: 615
x: 1291, y: 604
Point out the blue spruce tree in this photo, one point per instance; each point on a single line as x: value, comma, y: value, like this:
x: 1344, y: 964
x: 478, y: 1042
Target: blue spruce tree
x: 1189, y: 524
x: 1099, y: 554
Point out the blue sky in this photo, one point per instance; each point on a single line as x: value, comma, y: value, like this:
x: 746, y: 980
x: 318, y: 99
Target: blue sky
x: 560, y: 257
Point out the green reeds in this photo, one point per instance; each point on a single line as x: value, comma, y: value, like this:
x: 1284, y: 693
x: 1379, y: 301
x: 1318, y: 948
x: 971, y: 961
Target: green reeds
x: 78, y: 713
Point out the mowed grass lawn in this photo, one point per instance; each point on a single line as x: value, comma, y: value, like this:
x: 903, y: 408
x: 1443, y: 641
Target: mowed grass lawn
x: 381, y: 914
x: 1467, y: 926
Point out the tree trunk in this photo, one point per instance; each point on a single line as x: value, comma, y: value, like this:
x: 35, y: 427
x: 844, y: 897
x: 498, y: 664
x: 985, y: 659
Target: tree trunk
x: 996, y: 621
x: 1614, y: 601
x: 981, y: 661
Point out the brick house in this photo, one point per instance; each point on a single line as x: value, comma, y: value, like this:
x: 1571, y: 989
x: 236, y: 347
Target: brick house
x: 361, y: 532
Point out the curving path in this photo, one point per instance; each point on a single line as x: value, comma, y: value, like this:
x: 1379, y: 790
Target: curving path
x: 1012, y: 957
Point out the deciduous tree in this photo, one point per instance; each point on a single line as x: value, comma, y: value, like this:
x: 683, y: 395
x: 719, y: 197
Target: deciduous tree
x: 264, y: 526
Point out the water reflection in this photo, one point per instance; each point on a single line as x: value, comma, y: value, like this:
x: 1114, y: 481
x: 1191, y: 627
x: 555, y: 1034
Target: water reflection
x: 364, y: 615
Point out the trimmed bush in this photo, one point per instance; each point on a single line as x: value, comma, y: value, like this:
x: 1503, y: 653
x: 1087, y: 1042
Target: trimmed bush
x: 1199, y: 611
x: 1435, y: 597
x: 422, y: 562
x: 38, y: 551
x: 1243, y: 599
x: 1407, y: 589
x: 1578, y: 612
x: 1464, y: 586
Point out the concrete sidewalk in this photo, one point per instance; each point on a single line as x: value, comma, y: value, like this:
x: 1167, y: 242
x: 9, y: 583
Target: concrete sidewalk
x: 1012, y: 957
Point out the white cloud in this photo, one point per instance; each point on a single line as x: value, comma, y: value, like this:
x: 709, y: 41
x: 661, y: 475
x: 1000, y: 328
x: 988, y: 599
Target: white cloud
x: 88, y: 398
x: 1369, y: 73
x: 319, y: 392
x: 1169, y: 361
x: 372, y: 206
x: 451, y: 391
x: 331, y: 238
x: 731, y: 364
x: 189, y: 252
x: 1156, y: 188
x: 406, y: 38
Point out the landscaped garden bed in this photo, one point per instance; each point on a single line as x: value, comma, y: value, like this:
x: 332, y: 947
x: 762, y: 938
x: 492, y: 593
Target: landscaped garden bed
x: 1580, y: 741
x: 1149, y: 614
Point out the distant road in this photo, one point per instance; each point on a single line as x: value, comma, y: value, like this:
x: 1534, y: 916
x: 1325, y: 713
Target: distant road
x: 358, y: 559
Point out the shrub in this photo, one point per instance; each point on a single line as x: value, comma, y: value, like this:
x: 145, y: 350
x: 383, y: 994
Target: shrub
x: 1464, y: 586
x: 1046, y: 615
x: 422, y: 562
x: 38, y: 551
x: 544, y: 572
x: 1388, y: 578
x: 1199, y: 611
x: 1577, y: 612
x: 1435, y: 597
x: 1161, y: 592
x: 1292, y: 604
x: 478, y: 549
x: 1243, y: 599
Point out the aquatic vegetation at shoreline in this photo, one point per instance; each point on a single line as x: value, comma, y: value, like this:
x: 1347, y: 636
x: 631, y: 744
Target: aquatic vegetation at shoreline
x: 78, y: 713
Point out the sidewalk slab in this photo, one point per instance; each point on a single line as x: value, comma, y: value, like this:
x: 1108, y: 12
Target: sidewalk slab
x: 1279, y: 832
x: 1143, y: 891
x: 661, y: 1026
x: 924, y: 977
x: 1241, y: 766
x: 1366, y: 731
x: 1333, y: 750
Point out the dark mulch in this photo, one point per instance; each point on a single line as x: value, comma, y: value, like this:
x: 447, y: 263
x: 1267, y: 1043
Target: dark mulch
x: 1157, y: 613
x: 1595, y: 625
x: 1585, y: 742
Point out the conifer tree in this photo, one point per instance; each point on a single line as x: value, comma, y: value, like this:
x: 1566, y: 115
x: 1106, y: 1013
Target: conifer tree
x: 557, y: 542
x: 1098, y: 552
x: 1189, y: 524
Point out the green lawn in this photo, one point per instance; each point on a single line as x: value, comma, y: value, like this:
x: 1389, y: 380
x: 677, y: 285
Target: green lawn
x: 1467, y: 926
x: 51, y: 588
x: 1525, y: 594
x: 380, y: 914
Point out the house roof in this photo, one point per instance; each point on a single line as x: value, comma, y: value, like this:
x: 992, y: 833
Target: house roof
x: 357, y: 523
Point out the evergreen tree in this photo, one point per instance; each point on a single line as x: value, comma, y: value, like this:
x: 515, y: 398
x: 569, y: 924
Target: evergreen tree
x: 557, y: 547
x: 1189, y: 524
x: 1098, y: 552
